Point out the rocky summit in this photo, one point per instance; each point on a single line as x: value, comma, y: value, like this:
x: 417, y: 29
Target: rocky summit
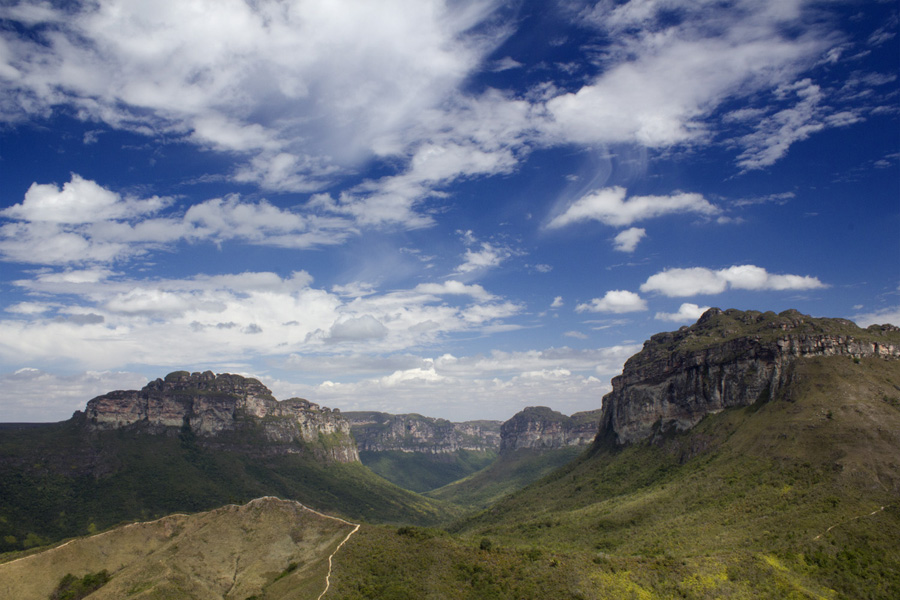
x: 383, y: 432
x: 540, y: 428
x: 212, y: 406
x: 727, y: 358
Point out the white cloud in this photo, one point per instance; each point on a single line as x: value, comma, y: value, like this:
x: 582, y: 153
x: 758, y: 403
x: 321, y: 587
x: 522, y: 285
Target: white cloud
x: 615, y: 301
x: 84, y: 223
x: 669, y: 74
x: 454, y: 288
x: 79, y: 201
x: 880, y: 317
x: 687, y: 313
x: 38, y: 396
x: 496, y: 385
x: 773, y: 135
x: 627, y: 241
x: 299, y: 90
x: 117, y: 320
x: 365, y: 327
x: 480, y: 256
x: 610, y: 207
x: 698, y: 280
x: 557, y: 302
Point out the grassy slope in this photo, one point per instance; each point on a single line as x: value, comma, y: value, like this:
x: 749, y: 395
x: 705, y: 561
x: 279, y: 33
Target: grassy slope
x: 269, y: 546
x: 779, y: 500
x: 46, y: 494
x: 510, y: 472
x: 421, y: 471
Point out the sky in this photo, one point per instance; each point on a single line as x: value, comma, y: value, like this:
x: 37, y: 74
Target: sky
x: 456, y: 208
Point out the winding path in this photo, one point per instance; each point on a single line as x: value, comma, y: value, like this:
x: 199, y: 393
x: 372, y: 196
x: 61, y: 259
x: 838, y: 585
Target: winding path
x: 331, y: 556
x: 874, y: 512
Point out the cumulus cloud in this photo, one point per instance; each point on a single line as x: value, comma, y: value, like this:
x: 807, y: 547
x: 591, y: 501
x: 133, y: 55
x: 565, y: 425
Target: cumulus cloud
x: 615, y: 301
x: 699, y: 280
x: 365, y: 327
x: 297, y: 96
x: 84, y: 223
x: 610, y: 207
x: 38, y: 396
x: 879, y: 317
x: 495, y: 385
x: 480, y: 256
x: 229, y: 318
x: 627, y: 240
x: 687, y: 313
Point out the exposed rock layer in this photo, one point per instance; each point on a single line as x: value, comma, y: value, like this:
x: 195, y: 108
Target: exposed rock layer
x: 538, y: 427
x: 728, y: 358
x: 382, y: 432
x: 211, y: 406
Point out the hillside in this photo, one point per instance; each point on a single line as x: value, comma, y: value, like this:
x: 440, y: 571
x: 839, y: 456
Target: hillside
x: 792, y: 496
x: 267, y: 548
x: 421, y: 453
x: 114, y: 463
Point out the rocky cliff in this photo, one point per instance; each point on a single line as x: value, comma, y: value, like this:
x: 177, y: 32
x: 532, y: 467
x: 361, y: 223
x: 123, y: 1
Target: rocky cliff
x: 381, y: 432
x: 539, y: 427
x: 212, y: 407
x: 726, y: 359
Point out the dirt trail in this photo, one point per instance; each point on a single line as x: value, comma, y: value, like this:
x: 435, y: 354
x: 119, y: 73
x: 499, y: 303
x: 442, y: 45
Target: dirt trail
x: 344, y: 541
x: 874, y: 512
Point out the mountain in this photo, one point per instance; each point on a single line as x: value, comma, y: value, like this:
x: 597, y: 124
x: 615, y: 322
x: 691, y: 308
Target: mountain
x: 749, y: 455
x: 422, y: 453
x: 382, y: 432
x: 727, y: 359
x: 533, y: 443
x: 187, y: 442
x: 539, y: 427
x: 216, y: 409
x: 267, y: 548
x: 770, y: 469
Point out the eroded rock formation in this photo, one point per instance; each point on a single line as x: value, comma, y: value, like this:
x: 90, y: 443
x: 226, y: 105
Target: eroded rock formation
x: 726, y: 359
x: 210, y: 406
x: 539, y: 427
x: 382, y: 432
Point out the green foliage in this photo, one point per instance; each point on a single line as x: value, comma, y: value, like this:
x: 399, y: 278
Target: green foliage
x: 510, y: 472
x: 59, y: 481
x: 73, y: 588
x: 775, y: 500
x: 422, y: 471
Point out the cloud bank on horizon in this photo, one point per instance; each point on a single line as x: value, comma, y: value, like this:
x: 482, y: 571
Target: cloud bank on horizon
x: 453, y: 208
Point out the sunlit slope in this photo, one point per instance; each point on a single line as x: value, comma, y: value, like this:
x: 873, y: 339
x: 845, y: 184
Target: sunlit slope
x: 268, y: 548
x: 56, y: 482
x: 798, y: 496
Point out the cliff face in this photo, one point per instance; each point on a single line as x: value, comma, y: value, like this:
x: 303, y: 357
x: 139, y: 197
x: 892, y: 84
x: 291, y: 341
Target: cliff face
x: 212, y: 405
x: 381, y: 432
x: 539, y: 427
x: 728, y: 358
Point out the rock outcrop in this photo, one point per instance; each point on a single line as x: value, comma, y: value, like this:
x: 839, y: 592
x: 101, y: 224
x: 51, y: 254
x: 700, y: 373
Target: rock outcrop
x: 382, y: 432
x: 211, y: 407
x: 726, y: 359
x: 538, y: 427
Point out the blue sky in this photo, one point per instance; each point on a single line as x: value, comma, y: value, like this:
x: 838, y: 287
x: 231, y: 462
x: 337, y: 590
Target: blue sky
x: 453, y: 208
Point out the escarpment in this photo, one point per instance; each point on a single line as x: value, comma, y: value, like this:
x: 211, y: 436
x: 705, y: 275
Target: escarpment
x: 726, y: 359
x: 539, y: 427
x: 383, y: 432
x: 225, y: 410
